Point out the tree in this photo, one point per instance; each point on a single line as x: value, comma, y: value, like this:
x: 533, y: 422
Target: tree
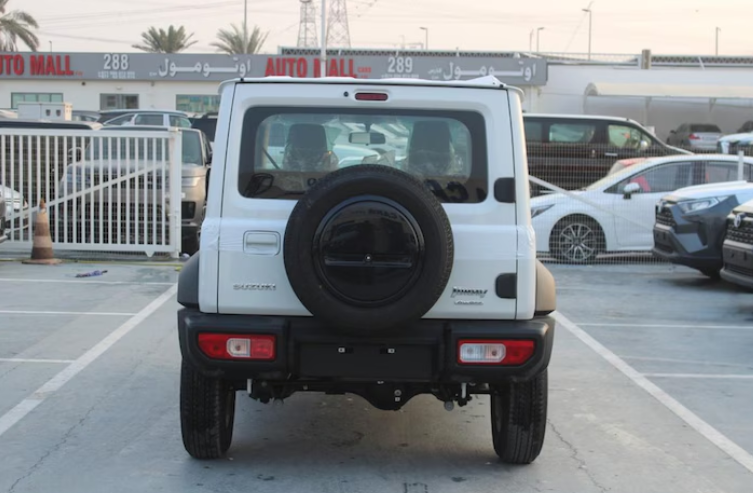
x: 160, y: 41
x: 14, y: 26
x: 235, y: 42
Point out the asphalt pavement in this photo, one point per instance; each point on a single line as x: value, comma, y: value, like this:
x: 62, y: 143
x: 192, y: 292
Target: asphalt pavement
x: 89, y: 373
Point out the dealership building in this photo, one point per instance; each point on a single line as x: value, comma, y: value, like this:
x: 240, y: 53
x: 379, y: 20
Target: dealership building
x: 659, y: 91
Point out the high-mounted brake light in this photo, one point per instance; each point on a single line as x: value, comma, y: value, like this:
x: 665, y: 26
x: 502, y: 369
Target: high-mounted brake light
x: 495, y: 352
x: 371, y: 96
x: 237, y: 346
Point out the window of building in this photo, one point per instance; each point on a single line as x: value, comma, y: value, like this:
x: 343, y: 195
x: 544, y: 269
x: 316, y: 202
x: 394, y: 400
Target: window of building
x: 118, y: 101
x: 34, y: 97
x: 197, y: 103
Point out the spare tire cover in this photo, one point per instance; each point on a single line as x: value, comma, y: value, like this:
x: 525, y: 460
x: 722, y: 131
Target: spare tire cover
x: 368, y: 248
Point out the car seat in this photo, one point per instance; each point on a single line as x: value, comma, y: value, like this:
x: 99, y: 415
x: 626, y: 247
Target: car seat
x: 429, y: 152
x: 306, y: 148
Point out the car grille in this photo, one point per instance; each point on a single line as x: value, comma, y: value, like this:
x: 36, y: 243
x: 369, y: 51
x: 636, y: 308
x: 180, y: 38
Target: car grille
x: 743, y: 234
x: 148, y: 182
x: 665, y: 217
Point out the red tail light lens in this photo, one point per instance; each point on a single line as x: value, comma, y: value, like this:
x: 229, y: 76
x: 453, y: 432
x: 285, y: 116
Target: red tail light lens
x: 238, y: 346
x: 693, y: 137
x: 371, y: 96
x: 495, y: 352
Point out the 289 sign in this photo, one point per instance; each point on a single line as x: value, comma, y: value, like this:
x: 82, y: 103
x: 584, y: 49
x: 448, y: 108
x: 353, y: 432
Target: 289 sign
x: 400, y: 65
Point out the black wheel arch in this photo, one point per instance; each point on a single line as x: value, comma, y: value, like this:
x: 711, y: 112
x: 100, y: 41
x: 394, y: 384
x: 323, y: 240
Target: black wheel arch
x: 188, y: 283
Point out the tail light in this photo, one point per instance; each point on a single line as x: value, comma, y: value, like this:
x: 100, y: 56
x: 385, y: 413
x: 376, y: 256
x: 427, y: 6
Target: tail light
x: 237, y: 346
x: 371, y: 96
x: 693, y: 137
x: 495, y: 352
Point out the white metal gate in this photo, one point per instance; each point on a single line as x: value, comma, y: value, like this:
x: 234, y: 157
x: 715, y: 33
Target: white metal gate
x: 105, y: 190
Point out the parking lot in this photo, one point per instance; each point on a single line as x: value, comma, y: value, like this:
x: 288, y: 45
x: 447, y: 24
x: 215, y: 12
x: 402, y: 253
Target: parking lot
x: 651, y: 390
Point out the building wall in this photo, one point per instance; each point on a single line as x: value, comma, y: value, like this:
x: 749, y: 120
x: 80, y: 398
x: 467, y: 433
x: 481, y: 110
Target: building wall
x: 86, y: 95
x: 564, y: 93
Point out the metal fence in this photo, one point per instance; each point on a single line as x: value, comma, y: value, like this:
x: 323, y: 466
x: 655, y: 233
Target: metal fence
x: 105, y: 191
x: 598, y: 203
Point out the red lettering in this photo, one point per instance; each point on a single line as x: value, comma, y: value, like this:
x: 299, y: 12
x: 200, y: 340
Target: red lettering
x: 19, y: 65
x: 317, y: 68
x: 270, y: 70
x: 301, y: 68
x: 290, y: 67
x: 68, y: 70
x: 58, y: 69
x: 50, y: 67
x: 37, y: 64
x: 351, y: 68
x: 5, y: 67
x: 333, y: 69
x: 280, y: 66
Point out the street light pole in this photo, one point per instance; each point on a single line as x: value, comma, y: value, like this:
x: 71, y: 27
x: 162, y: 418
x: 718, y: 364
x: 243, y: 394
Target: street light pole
x: 590, y: 27
x: 530, y: 40
x: 426, y: 31
x: 245, y: 24
x: 718, y: 29
x: 323, y: 54
x: 538, y: 39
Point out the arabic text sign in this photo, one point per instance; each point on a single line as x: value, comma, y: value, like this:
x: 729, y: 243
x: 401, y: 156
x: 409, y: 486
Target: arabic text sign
x: 218, y: 67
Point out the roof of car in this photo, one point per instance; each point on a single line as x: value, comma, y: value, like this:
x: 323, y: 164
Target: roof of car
x: 577, y: 117
x: 148, y: 128
x: 487, y: 82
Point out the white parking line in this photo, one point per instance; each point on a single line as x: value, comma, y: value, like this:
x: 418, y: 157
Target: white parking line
x: 698, y: 375
x: 87, y: 281
x: 32, y: 360
x: 102, y: 314
x: 689, y: 325
x: 16, y: 414
x: 709, y: 432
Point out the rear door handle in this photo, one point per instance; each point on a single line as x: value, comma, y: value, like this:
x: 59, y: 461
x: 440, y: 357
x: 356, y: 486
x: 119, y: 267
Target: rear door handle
x: 265, y: 243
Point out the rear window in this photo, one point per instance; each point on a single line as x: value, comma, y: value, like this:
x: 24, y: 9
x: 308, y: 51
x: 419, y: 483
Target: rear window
x: 284, y: 151
x: 704, y: 127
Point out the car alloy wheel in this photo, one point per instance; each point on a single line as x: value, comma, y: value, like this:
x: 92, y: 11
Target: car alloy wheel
x: 578, y: 242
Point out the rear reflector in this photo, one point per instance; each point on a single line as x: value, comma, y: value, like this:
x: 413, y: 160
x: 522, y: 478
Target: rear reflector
x: 371, y: 96
x: 495, y: 352
x: 237, y: 346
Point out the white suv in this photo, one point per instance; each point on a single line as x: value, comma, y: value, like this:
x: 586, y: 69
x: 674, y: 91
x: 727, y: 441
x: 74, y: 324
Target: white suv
x: 406, y: 273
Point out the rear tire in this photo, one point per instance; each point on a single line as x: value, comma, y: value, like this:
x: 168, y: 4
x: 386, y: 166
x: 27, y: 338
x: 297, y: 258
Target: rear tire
x: 519, y: 419
x: 713, y: 274
x: 207, y: 414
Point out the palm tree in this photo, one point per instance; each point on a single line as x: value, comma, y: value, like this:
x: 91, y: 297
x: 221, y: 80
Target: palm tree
x: 236, y: 42
x: 161, y: 41
x: 16, y: 25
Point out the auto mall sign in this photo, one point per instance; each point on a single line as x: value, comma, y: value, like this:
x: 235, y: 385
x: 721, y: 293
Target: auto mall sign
x: 219, y: 67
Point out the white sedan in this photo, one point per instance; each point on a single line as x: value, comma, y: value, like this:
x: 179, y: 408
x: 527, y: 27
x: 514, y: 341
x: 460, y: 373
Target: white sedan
x: 617, y: 212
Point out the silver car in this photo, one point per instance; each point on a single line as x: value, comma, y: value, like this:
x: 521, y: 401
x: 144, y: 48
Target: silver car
x: 695, y: 136
x: 3, y: 219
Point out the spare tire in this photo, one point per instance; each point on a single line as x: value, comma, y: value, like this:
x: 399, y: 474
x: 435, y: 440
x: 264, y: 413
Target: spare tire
x: 368, y: 248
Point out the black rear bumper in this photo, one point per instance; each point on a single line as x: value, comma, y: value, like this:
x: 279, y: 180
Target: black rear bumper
x: 307, y: 351
x: 693, y: 243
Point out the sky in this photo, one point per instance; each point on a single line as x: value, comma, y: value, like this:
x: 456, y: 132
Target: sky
x: 664, y: 26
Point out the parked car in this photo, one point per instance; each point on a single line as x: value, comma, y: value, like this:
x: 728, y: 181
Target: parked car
x: 85, y: 116
x: 732, y: 144
x: 338, y: 281
x: 746, y: 127
x: 737, y: 250
x: 571, y: 151
x: 207, y: 123
x: 697, y: 137
x: 49, y: 124
x: 162, y: 118
x: 196, y: 157
x: 617, y: 212
x: 691, y: 223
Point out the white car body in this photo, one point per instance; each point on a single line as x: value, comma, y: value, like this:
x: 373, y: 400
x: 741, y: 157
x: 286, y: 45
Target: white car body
x: 627, y: 224
x: 241, y: 238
